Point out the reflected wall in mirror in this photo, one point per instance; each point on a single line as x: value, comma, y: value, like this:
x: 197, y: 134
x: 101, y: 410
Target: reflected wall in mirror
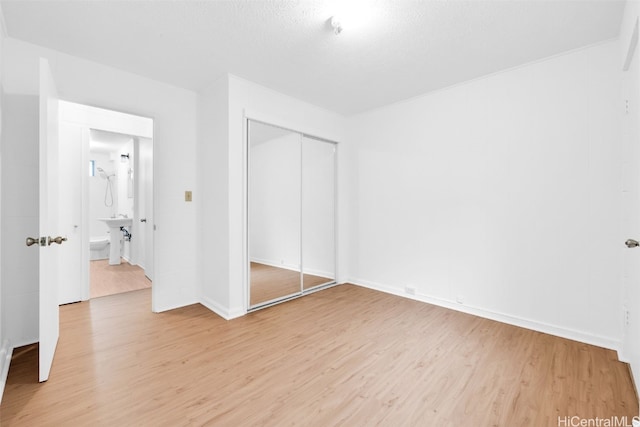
x: 318, y: 212
x: 273, y: 213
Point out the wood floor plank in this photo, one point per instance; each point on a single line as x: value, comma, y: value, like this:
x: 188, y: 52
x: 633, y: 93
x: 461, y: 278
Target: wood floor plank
x: 343, y: 356
x: 114, y: 279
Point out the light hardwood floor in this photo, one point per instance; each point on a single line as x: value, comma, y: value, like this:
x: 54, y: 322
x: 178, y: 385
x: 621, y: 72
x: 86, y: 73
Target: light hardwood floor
x: 114, y: 279
x: 343, y: 356
x: 269, y: 283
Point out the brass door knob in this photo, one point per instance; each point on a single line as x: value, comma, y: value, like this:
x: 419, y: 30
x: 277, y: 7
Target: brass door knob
x: 57, y: 240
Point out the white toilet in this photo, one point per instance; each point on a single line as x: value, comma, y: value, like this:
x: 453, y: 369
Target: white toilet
x: 99, y: 247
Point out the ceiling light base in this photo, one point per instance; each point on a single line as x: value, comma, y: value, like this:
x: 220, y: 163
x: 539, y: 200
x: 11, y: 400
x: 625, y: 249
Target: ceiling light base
x: 336, y: 25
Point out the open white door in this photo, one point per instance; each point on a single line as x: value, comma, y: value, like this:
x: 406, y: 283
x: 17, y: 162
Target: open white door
x: 70, y: 181
x: 631, y: 206
x: 48, y: 242
x: 145, y: 164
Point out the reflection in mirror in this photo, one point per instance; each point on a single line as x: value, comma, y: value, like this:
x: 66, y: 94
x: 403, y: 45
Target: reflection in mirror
x: 273, y: 213
x: 318, y: 212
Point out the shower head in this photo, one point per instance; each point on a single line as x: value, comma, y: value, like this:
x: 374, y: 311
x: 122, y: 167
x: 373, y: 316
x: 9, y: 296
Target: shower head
x: 103, y: 174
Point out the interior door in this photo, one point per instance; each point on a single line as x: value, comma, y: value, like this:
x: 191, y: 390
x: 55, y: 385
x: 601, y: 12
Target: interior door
x: 71, y: 286
x: 145, y: 205
x: 631, y: 205
x: 48, y: 221
x: 318, y: 213
x: 273, y: 214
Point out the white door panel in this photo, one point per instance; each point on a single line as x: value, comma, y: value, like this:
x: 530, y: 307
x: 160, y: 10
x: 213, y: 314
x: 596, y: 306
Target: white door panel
x: 145, y: 173
x: 71, y: 224
x: 631, y: 211
x: 48, y: 222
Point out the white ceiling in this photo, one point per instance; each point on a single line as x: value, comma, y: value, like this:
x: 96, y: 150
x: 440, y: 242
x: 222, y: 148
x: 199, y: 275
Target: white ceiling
x: 261, y: 132
x: 103, y: 141
x: 400, y: 49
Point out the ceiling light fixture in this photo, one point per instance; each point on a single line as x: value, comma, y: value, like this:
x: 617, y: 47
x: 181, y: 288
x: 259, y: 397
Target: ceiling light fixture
x: 336, y: 25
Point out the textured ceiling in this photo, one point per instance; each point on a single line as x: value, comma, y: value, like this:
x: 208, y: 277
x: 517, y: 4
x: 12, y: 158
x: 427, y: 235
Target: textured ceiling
x: 399, y: 49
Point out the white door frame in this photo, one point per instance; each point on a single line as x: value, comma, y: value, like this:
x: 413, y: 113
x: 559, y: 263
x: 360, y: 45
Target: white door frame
x: 89, y: 117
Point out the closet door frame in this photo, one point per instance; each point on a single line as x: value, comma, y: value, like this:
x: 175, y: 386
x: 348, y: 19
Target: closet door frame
x: 270, y: 121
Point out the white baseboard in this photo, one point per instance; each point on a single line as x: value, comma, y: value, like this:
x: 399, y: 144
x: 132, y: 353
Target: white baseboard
x: 236, y: 312
x: 221, y: 311
x: 24, y: 342
x: 634, y: 366
x: 179, y: 302
x: 277, y: 264
x: 6, y: 351
x: 319, y: 273
x: 312, y: 271
x: 534, y: 325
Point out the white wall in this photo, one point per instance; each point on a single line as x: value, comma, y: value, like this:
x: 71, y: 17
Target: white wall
x: 125, y: 203
x: 175, y: 136
x: 223, y: 148
x: 97, y: 189
x: 19, y: 213
x: 213, y: 166
x: 499, y: 196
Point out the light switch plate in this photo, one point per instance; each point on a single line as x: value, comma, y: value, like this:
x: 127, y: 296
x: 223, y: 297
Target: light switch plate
x: 188, y: 196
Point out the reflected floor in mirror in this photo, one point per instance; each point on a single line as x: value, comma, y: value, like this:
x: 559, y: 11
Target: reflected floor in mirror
x: 269, y: 283
x: 114, y: 279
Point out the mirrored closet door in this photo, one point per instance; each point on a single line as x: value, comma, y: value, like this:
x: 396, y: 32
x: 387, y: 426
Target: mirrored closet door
x: 318, y: 213
x: 291, y: 214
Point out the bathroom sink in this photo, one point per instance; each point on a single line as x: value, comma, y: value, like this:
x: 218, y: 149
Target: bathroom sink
x: 114, y: 225
x: 117, y: 222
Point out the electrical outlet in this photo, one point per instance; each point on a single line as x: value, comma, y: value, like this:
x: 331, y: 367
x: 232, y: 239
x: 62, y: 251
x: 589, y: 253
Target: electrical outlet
x: 188, y: 196
x: 627, y: 316
x: 411, y: 290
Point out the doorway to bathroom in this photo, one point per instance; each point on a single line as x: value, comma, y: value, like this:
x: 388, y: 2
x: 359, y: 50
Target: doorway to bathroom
x: 107, y: 159
x: 118, y: 181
